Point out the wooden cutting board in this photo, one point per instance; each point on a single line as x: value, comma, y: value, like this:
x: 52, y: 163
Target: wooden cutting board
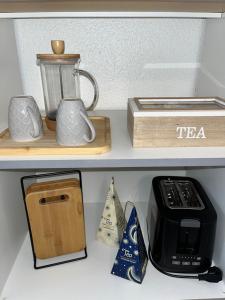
x: 55, y: 211
x: 47, y: 144
x: 52, y: 184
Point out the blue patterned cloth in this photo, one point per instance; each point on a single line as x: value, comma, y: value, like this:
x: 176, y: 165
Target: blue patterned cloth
x: 131, y: 259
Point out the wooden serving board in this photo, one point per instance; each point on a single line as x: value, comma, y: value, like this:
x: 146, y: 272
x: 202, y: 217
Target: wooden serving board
x: 56, y: 217
x: 47, y: 144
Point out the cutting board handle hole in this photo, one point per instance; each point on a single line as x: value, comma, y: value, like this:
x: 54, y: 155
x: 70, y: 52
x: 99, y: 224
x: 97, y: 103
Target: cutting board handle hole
x: 54, y: 199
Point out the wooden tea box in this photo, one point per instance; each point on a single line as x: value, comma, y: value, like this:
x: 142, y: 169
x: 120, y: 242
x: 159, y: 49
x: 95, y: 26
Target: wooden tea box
x: 176, y: 122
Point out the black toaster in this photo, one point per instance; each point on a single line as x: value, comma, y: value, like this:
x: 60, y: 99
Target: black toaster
x: 181, y: 225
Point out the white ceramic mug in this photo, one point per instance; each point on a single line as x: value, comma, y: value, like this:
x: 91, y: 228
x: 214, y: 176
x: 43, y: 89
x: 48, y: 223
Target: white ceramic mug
x: 24, y: 119
x: 73, y: 127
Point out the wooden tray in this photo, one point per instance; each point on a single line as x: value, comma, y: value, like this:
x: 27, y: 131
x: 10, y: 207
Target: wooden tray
x: 47, y: 144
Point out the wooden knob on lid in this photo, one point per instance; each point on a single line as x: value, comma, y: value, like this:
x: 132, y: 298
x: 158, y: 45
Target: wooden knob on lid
x: 58, y: 46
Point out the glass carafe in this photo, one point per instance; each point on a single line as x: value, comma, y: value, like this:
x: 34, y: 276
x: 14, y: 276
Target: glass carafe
x: 60, y: 75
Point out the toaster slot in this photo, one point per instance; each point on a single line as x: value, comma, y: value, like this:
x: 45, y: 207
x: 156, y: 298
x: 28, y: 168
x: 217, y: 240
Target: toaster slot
x: 171, y: 194
x: 189, y: 195
x: 181, y: 194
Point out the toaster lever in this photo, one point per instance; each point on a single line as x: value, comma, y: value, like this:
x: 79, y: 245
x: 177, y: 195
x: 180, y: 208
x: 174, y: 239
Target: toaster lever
x: 188, y: 240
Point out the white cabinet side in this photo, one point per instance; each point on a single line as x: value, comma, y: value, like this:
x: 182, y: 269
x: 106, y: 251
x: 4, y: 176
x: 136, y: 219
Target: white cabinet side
x: 13, y: 226
x: 212, y: 181
x: 12, y: 216
x: 211, y: 76
x: 10, y: 79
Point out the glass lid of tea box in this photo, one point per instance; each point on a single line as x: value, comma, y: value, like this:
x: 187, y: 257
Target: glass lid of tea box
x: 177, y: 106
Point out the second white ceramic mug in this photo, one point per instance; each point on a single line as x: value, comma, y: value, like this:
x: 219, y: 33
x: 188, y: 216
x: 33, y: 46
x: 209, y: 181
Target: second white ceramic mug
x: 73, y: 127
x: 24, y: 119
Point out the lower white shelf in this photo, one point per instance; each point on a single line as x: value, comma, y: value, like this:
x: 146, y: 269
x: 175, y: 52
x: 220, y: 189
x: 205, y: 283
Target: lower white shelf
x: 91, y: 279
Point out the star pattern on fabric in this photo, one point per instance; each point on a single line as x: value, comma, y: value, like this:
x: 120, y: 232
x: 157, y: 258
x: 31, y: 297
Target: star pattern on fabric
x: 131, y: 259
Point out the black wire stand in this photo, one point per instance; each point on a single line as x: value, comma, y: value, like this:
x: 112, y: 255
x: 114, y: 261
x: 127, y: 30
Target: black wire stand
x: 48, y: 175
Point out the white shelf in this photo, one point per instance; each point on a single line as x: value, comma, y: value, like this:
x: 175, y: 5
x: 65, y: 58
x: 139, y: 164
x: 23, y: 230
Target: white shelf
x: 111, y: 8
x: 122, y: 154
x: 91, y: 278
x: 112, y: 14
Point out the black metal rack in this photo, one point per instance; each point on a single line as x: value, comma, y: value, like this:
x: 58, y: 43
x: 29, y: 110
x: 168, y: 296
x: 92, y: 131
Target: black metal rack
x: 47, y: 175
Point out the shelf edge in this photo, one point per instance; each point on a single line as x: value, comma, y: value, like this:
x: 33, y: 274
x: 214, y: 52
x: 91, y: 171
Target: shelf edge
x: 112, y: 14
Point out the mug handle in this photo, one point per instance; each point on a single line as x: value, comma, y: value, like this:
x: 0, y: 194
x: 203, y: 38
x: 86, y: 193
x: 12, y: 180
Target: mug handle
x: 95, y: 86
x: 90, y: 125
x: 36, y: 129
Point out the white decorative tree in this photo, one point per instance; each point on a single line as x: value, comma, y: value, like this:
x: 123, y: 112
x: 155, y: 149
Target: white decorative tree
x: 113, y: 222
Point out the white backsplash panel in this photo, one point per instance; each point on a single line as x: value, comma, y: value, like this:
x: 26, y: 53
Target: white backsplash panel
x: 128, y: 57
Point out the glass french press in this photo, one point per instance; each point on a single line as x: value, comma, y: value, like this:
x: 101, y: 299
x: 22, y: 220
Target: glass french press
x: 60, y: 75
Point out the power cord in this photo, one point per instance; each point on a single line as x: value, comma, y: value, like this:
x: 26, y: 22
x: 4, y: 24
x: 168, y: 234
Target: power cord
x: 213, y: 274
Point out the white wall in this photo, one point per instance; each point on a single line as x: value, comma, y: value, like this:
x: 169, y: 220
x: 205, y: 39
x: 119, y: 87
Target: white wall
x: 128, y: 57
x: 211, y: 77
x: 132, y: 185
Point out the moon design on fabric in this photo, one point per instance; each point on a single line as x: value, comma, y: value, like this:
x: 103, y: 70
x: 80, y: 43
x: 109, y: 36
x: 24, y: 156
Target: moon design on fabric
x: 131, y: 275
x: 133, y: 233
